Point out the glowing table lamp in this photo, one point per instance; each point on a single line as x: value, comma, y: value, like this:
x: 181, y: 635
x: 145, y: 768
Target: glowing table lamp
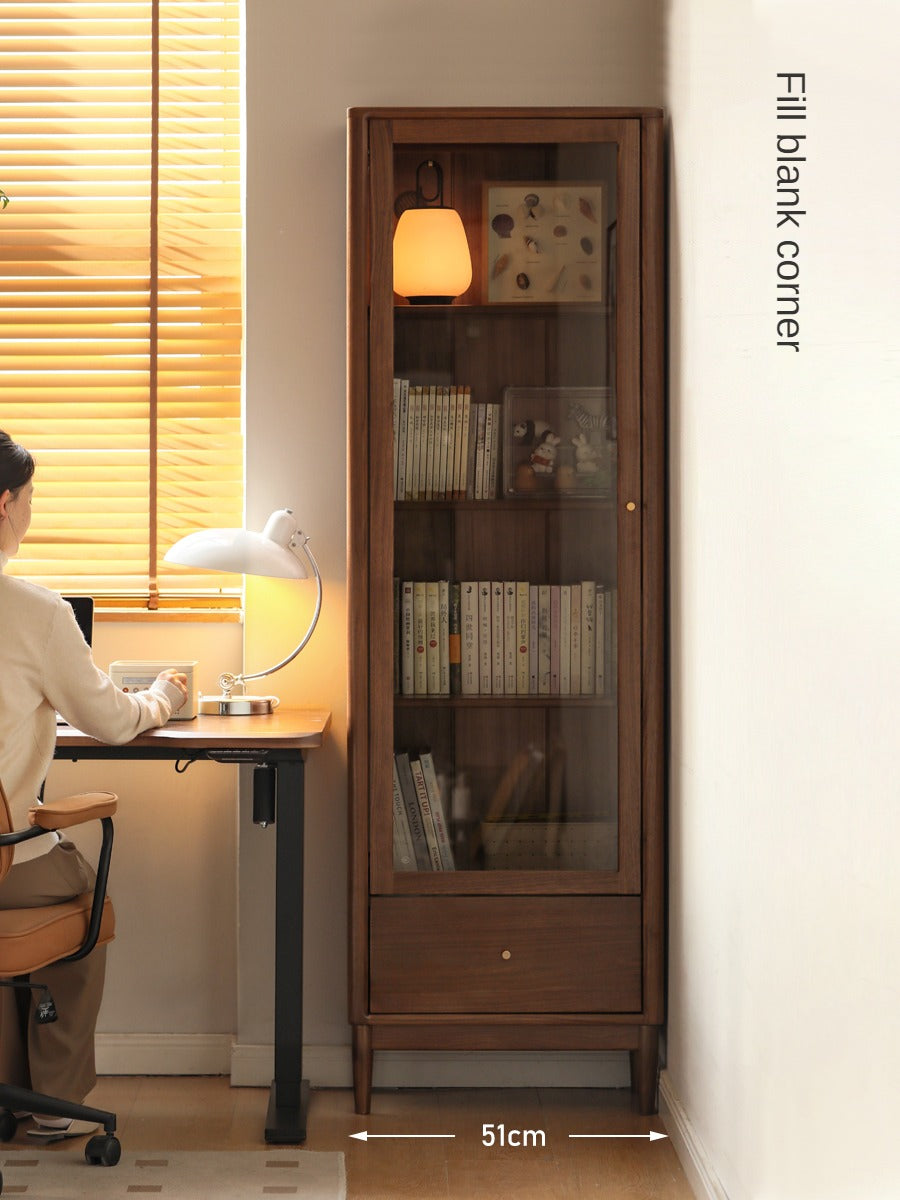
x: 432, y: 264
x: 275, y: 553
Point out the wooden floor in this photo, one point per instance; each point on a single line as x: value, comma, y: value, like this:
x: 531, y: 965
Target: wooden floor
x: 539, y: 1161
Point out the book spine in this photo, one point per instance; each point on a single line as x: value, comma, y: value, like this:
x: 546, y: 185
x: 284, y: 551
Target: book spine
x: 404, y: 851
x: 510, y: 638
x: 479, y: 451
x: 454, y: 640
x: 463, y: 463
x: 396, y: 639
x: 452, y: 446
x: 588, y: 636
x: 434, y: 854
x: 543, y: 639
x: 575, y: 636
x: 413, y: 812
x: 412, y: 442
x: 533, y: 639
x: 600, y: 647
x: 565, y: 639
x: 396, y: 428
x: 494, y: 456
x: 426, y: 475
x: 522, y: 617
x: 444, y: 637
x: 407, y: 640
x: 438, y: 811
x: 420, y: 664
x: 432, y: 638
x: 484, y: 638
x: 554, y: 639
x: 496, y: 688
x: 402, y: 432
x: 468, y: 614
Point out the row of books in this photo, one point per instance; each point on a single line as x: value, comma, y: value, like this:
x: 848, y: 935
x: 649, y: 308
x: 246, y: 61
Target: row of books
x: 421, y: 836
x: 445, y: 446
x: 504, y: 638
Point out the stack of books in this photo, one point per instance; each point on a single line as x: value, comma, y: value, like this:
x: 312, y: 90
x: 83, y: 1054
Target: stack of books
x: 504, y: 638
x: 421, y: 836
x: 445, y: 446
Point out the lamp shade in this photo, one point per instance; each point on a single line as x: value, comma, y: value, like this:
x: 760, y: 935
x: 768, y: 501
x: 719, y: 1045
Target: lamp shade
x: 243, y: 551
x: 432, y: 263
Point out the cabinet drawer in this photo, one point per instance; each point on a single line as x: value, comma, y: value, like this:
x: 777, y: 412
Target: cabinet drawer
x: 555, y: 954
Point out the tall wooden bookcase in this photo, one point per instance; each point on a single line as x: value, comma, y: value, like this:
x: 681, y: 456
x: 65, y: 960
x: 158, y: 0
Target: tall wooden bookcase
x: 535, y: 919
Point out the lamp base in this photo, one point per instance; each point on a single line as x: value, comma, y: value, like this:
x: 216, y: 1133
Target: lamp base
x: 237, y: 706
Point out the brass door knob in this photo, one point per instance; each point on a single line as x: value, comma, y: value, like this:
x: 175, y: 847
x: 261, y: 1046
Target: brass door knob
x: 631, y: 506
x: 506, y: 955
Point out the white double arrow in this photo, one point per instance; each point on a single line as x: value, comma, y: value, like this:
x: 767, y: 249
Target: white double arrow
x: 365, y: 1136
x: 653, y: 1136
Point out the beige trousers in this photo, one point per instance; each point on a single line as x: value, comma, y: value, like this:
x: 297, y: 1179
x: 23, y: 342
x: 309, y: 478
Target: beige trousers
x: 56, y: 1059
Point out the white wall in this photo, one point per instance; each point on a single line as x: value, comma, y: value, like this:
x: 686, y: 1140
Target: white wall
x: 306, y: 65
x: 784, y: 976
x: 171, y: 969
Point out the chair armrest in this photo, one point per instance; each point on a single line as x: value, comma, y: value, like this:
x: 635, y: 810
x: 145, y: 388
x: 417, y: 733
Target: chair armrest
x: 73, y: 810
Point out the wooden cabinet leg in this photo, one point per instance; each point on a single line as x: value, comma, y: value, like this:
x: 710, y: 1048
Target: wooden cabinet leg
x: 362, y: 1067
x: 645, y: 1070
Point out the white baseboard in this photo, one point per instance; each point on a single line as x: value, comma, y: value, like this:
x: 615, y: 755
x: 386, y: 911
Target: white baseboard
x: 163, y: 1053
x: 698, y: 1167
x: 331, y: 1066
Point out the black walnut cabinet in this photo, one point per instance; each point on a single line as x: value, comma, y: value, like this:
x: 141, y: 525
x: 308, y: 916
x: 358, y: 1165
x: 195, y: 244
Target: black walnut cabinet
x: 537, y: 923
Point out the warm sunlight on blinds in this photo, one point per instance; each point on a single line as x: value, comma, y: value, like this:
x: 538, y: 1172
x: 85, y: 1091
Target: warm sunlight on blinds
x: 120, y: 284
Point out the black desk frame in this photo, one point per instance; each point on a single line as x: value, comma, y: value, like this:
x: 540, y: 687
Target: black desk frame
x: 289, y: 1092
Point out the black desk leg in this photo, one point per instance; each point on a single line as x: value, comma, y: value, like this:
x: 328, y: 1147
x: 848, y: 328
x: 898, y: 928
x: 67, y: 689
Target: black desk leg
x: 289, y: 1095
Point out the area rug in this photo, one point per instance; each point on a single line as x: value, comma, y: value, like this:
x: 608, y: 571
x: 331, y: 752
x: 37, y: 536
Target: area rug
x: 175, y: 1175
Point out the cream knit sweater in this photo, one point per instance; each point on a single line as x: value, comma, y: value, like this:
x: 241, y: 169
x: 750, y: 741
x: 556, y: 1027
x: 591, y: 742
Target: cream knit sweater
x: 45, y: 667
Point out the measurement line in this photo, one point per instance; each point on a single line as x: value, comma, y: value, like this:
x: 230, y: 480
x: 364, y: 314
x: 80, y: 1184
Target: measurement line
x: 653, y: 1136
x: 365, y: 1136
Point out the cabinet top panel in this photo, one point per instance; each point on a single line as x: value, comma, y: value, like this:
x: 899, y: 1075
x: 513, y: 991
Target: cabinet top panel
x: 499, y: 113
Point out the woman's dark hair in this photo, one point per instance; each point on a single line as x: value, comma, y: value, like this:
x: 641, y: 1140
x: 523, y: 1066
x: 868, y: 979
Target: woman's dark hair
x: 16, y: 464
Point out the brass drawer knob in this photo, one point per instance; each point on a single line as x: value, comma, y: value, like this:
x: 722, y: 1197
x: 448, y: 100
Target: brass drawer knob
x: 631, y: 506
x: 506, y: 955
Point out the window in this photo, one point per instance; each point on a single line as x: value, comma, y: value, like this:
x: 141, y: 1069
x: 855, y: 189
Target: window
x: 120, y: 286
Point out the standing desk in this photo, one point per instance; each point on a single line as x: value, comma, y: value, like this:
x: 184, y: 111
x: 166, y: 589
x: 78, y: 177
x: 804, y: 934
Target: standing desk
x: 279, y: 740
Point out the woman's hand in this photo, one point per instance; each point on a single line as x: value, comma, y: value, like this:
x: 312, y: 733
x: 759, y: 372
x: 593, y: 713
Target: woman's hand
x: 178, y: 678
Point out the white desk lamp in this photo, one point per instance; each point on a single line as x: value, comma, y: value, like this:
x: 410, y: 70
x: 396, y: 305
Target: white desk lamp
x: 275, y: 553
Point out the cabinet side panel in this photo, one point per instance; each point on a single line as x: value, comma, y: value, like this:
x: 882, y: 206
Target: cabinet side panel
x: 358, y: 586
x: 653, y: 683
x: 381, y: 501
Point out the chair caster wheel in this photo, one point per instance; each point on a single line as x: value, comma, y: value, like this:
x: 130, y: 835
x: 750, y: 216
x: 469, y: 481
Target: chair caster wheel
x: 8, y: 1125
x: 103, y: 1150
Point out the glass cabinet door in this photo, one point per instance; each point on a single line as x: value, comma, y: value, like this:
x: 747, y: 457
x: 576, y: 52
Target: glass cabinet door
x: 507, y: 517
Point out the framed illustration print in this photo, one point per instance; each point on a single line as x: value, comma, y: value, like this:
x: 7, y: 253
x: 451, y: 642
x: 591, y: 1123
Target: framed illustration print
x: 546, y: 242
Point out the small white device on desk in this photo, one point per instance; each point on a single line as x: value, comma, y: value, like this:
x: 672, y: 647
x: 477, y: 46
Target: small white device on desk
x: 133, y: 675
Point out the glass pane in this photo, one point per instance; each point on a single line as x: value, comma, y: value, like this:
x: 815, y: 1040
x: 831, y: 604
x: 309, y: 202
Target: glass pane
x: 505, y: 544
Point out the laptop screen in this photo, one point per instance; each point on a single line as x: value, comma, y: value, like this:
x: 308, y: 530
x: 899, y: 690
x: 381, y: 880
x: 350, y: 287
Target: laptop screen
x: 83, y: 607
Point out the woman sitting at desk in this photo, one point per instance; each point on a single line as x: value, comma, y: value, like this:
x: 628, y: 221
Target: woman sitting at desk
x: 46, y: 667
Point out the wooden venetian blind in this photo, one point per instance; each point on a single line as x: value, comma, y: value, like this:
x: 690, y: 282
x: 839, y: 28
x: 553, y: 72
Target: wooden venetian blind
x: 120, y: 285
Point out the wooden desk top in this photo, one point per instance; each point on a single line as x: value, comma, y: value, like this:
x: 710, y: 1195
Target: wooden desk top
x: 286, y: 728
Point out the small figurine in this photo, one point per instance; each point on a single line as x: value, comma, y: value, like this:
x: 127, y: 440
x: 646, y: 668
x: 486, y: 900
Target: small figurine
x: 529, y: 431
x: 543, y: 456
x: 586, y: 456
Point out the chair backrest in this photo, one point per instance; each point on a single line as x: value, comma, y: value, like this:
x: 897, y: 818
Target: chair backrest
x: 6, y: 826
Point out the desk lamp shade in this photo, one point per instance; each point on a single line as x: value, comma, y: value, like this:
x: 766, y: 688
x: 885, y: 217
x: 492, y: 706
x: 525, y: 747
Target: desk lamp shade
x: 432, y: 264
x: 273, y: 553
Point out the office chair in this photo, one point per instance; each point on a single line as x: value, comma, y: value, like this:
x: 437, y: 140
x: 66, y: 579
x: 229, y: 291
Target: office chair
x: 31, y: 938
